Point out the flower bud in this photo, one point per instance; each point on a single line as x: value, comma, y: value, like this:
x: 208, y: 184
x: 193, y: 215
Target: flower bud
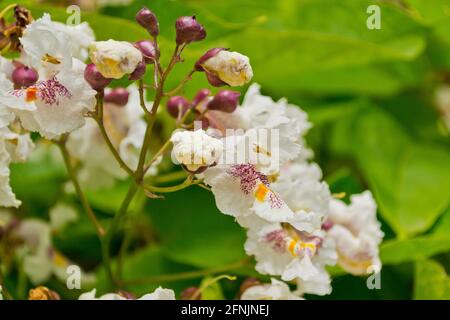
x: 225, y: 101
x: 24, y: 77
x: 118, y: 96
x: 200, y: 96
x: 113, y: 58
x: 191, y: 293
x: 43, y: 293
x: 148, y: 50
x: 189, y: 30
x: 327, y: 225
x: 139, y: 72
x: 148, y: 20
x: 221, y: 65
x: 176, y: 104
x: 95, y: 78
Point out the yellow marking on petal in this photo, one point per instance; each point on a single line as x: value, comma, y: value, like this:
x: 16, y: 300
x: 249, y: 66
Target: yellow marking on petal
x: 31, y: 94
x: 259, y: 149
x: 291, y: 247
x: 50, y: 59
x: 261, y: 192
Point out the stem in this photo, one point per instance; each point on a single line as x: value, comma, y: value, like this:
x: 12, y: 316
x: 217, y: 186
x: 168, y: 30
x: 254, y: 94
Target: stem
x: 99, y: 119
x: 181, y: 85
x: 4, y: 290
x: 157, y: 154
x: 187, y: 183
x: 187, y: 275
x: 4, y: 11
x: 209, y: 283
x: 106, y: 243
x: 169, y: 177
x: 76, y: 184
x: 142, y: 99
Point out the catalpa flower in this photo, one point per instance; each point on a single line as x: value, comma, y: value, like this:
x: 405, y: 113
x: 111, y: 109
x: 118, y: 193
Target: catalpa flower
x: 276, y: 290
x: 356, y: 232
x: 280, y: 249
x: 125, y: 128
x: 158, y: 294
x: 114, y: 59
x: 57, y: 101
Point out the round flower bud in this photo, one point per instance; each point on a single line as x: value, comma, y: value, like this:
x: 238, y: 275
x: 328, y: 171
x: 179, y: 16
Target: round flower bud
x: 24, y: 77
x: 200, y: 96
x: 148, y: 50
x: 113, y: 58
x: 176, y: 104
x: 95, y: 78
x: 327, y: 225
x: 191, y: 293
x: 231, y: 68
x: 148, y: 20
x: 139, y: 71
x: 224, y: 100
x: 195, y: 149
x: 189, y: 30
x: 118, y: 96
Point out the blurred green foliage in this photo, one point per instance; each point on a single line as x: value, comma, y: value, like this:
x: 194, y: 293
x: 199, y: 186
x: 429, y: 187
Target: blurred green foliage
x: 369, y: 94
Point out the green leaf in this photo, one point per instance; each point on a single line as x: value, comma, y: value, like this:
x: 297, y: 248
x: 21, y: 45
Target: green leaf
x: 400, y: 251
x: 431, y: 281
x: 408, y: 178
x: 193, y: 231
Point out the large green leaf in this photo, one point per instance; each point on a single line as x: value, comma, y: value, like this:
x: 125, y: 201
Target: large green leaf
x: 431, y: 281
x: 408, y: 178
x: 194, y: 232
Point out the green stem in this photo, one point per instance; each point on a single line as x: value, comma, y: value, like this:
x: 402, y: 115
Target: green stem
x: 4, y: 290
x: 99, y: 119
x: 142, y: 98
x: 4, y: 11
x: 106, y: 241
x: 181, y: 85
x: 187, y: 275
x: 76, y: 184
x: 187, y: 183
x: 169, y: 177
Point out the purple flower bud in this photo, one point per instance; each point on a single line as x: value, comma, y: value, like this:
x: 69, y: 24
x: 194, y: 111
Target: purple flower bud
x: 225, y: 101
x: 208, y: 55
x: 95, y: 78
x: 148, y: 20
x: 118, y: 96
x: 148, y: 50
x: 139, y: 71
x: 200, y: 96
x: 214, y: 80
x: 24, y: 77
x: 177, y: 103
x: 189, y: 30
x: 327, y: 225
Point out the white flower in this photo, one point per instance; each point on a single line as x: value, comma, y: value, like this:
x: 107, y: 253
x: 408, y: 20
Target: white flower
x: 158, y: 294
x: 319, y: 285
x: 277, y: 290
x: 280, y: 249
x: 57, y: 103
x: 356, y: 232
x: 45, y: 47
x: 40, y: 259
x: 125, y: 128
x: 54, y: 106
x: 195, y: 149
x: 14, y: 147
x: 232, y: 68
x: 113, y: 58
x: 80, y: 35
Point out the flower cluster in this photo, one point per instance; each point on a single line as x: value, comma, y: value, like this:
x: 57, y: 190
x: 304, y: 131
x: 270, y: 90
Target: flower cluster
x: 251, y: 155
